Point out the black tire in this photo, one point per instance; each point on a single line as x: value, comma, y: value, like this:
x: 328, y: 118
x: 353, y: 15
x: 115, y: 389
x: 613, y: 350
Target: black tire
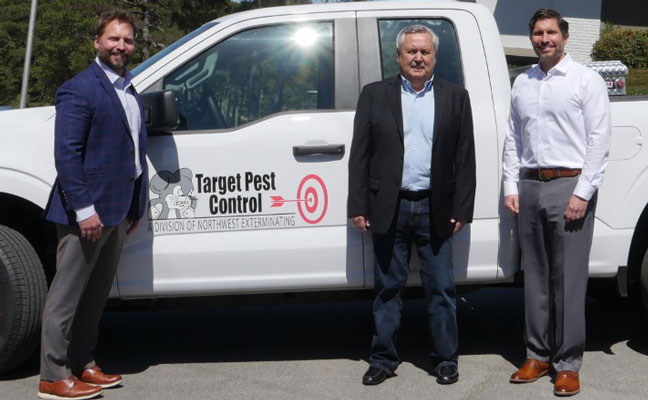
x: 643, y: 282
x: 22, y: 296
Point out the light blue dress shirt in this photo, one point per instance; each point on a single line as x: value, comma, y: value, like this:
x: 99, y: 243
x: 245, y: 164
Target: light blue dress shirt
x: 131, y: 108
x: 418, y: 128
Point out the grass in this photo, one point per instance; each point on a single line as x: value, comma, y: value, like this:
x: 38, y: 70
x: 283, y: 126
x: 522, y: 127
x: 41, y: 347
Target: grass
x: 637, y: 82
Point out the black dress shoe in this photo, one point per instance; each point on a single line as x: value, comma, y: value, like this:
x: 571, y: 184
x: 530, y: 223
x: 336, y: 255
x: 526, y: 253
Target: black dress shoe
x: 375, y: 376
x: 447, y: 374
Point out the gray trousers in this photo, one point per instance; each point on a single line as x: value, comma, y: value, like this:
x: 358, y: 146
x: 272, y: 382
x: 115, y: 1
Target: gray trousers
x: 555, y: 259
x: 77, y: 296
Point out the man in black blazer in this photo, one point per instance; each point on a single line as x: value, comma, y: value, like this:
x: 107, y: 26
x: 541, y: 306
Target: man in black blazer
x: 412, y: 179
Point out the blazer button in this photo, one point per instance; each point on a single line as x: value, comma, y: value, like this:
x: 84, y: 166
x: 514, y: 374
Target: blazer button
x: 131, y: 178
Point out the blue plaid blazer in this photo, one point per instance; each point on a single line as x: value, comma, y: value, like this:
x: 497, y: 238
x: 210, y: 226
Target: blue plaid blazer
x: 94, y: 153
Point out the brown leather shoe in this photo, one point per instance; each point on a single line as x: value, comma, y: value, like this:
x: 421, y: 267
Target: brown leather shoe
x: 69, y: 388
x: 566, y: 383
x: 94, y: 376
x: 530, y: 371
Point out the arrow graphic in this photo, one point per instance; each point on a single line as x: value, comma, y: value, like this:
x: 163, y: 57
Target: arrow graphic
x: 278, y: 201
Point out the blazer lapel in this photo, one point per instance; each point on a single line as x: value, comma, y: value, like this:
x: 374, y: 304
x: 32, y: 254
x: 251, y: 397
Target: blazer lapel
x: 112, y: 94
x: 394, y: 97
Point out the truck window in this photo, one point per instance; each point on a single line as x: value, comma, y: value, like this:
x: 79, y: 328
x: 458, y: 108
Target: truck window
x: 448, y: 64
x: 162, y: 53
x: 256, y: 73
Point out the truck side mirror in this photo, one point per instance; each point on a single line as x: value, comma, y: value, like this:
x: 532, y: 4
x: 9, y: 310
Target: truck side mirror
x: 160, y: 112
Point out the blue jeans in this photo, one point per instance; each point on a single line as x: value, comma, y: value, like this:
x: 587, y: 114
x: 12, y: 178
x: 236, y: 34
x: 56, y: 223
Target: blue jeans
x: 391, y: 258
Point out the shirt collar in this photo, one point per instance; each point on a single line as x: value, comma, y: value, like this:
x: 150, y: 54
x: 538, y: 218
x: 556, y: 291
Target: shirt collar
x: 563, y: 65
x: 114, y: 77
x: 560, y: 68
x: 407, y: 85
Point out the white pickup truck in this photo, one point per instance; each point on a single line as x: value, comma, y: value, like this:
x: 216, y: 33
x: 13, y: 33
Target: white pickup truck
x: 251, y: 121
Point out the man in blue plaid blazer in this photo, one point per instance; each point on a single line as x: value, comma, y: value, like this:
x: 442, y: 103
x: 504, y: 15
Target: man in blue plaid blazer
x: 98, y: 198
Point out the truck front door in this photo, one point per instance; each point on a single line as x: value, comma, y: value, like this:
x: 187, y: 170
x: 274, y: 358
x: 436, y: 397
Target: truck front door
x: 249, y: 193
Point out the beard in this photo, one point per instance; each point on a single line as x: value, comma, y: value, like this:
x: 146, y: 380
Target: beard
x: 117, y: 64
x: 558, y: 52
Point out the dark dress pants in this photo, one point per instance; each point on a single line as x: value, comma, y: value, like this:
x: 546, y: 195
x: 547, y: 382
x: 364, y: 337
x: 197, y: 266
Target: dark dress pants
x: 391, y: 259
x: 84, y: 274
x: 555, y: 259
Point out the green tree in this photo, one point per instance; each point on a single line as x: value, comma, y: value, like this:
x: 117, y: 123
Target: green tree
x: 188, y: 15
x: 64, y: 33
x: 13, y: 37
x: 63, y: 44
x: 154, y: 28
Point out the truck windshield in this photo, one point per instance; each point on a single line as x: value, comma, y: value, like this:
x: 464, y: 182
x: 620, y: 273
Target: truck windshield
x: 171, y: 47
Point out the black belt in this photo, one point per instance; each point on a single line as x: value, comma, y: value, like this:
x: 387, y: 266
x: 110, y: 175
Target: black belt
x: 414, y: 195
x: 547, y: 174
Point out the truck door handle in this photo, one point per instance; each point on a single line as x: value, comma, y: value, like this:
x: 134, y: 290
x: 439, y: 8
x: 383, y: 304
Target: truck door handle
x: 334, y: 149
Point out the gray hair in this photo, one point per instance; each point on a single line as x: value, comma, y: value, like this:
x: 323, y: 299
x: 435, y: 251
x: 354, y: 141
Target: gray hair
x: 400, y: 38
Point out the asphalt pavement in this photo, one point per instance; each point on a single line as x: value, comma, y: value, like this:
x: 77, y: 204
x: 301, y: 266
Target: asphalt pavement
x: 319, y: 351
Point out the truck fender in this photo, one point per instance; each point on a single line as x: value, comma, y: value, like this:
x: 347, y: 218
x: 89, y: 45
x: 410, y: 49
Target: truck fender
x: 25, y: 186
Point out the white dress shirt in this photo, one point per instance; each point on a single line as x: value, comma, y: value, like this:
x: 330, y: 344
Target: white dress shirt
x: 131, y: 108
x: 558, y: 119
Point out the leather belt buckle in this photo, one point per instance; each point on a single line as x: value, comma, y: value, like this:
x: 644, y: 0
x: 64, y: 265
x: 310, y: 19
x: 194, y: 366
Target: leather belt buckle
x: 546, y: 174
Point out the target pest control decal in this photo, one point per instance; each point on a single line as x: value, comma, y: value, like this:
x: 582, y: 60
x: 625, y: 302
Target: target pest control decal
x: 186, y: 202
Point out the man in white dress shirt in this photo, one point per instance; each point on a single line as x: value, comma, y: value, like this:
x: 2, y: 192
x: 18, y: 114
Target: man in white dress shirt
x: 555, y: 154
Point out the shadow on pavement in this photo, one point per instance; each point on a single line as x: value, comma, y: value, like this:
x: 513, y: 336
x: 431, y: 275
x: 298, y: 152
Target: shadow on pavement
x: 490, y: 322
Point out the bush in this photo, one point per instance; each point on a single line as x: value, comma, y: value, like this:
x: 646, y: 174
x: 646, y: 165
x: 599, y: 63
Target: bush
x: 630, y: 46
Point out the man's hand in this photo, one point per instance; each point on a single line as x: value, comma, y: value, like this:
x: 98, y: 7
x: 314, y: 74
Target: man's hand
x: 576, y: 208
x: 133, y: 226
x: 361, y: 222
x: 458, y: 225
x: 91, y: 227
x: 512, y: 202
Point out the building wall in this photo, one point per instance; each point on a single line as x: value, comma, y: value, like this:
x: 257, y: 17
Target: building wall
x: 512, y: 16
x: 583, y: 34
x: 630, y: 13
x: 584, y: 17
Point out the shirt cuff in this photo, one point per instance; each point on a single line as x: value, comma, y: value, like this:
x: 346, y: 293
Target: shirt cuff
x: 584, y: 190
x: 510, y: 188
x: 85, y: 213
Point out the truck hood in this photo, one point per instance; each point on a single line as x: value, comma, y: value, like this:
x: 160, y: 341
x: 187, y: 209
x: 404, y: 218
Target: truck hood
x: 25, y: 118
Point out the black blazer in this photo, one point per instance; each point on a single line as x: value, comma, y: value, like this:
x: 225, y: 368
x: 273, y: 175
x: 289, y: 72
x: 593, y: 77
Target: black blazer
x: 377, y: 149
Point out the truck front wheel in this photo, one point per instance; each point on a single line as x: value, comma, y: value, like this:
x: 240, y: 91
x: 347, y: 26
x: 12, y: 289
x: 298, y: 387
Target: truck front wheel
x: 22, y: 296
x: 643, y: 282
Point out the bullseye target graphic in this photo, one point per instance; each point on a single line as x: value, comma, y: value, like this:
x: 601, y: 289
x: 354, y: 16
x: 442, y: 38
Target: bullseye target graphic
x: 312, y: 199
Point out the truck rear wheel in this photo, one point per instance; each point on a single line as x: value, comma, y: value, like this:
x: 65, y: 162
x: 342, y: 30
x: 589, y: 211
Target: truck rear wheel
x: 22, y: 296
